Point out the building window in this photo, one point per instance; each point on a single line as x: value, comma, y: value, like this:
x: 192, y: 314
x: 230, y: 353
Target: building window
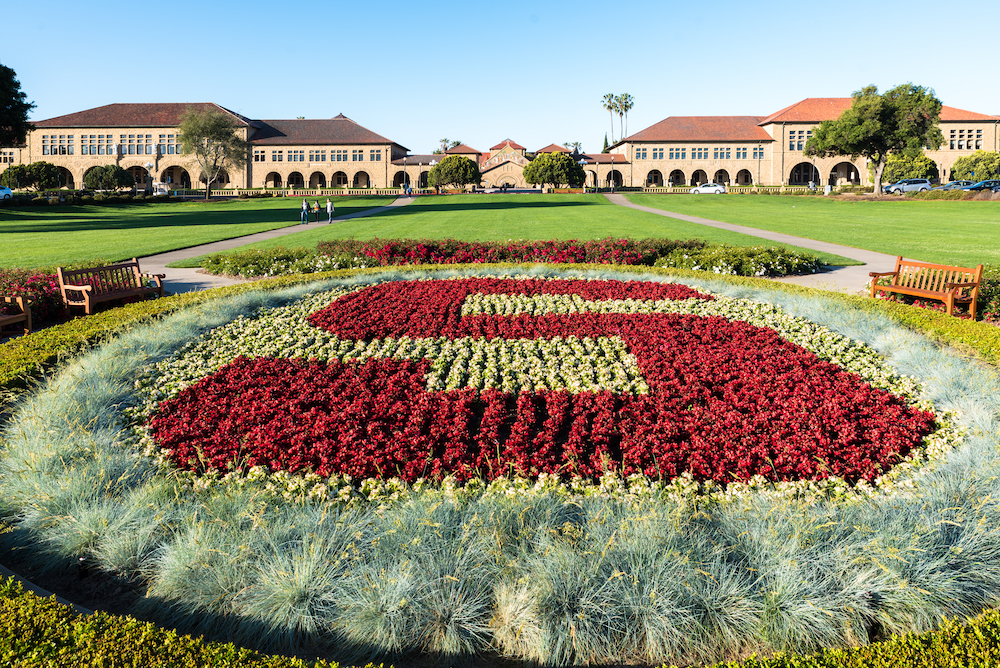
x: 296, y: 155
x: 277, y: 156
x: 358, y: 155
x: 167, y: 145
x: 317, y: 156
x: 376, y: 155
x: 657, y: 154
x: 259, y: 155
x: 721, y: 153
x: 699, y: 154
x: 741, y: 153
x: 338, y: 155
x: 678, y: 154
x: 640, y: 154
x: 758, y: 153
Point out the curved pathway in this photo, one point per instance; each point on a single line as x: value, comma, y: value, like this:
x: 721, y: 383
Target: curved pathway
x: 188, y: 280
x: 840, y: 279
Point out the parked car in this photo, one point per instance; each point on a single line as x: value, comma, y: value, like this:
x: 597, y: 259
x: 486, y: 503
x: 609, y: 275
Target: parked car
x: 952, y: 185
x: 5, y: 193
x: 984, y: 185
x: 709, y: 189
x: 906, y: 186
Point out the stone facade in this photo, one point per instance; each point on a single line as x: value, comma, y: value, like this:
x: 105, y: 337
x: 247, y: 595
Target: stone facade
x: 339, y: 153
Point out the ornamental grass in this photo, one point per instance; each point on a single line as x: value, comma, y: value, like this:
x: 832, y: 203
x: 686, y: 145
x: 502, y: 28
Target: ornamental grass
x: 536, y: 573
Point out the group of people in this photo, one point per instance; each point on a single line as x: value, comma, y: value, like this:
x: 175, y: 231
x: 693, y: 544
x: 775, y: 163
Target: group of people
x: 315, y: 210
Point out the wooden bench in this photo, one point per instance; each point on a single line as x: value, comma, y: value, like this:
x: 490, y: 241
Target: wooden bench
x: 941, y: 282
x: 86, y: 287
x: 24, y: 305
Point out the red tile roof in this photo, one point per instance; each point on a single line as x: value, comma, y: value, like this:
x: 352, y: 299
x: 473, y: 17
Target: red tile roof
x: 336, y: 130
x: 554, y: 148
x: 148, y: 115
x: 817, y: 109
x: 604, y: 158
x: 463, y: 149
x: 702, y: 128
x: 508, y: 142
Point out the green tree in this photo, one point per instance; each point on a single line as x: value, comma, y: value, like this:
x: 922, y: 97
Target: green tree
x: 14, y: 109
x: 210, y: 136
x: 624, y: 102
x: 35, y: 176
x: 455, y: 170
x: 978, y: 166
x: 574, y: 146
x: 605, y: 149
x: 904, y: 120
x: 902, y: 166
x: 108, y: 177
x: 555, y: 168
x: 446, y: 144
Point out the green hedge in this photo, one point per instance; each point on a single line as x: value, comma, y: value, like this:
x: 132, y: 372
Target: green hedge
x: 38, y: 631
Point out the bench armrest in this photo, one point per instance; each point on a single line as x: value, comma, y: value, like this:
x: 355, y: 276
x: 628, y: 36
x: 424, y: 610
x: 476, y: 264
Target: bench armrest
x: 879, y: 274
x: 83, y: 288
x: 146, y: 275
x: 970, y: 284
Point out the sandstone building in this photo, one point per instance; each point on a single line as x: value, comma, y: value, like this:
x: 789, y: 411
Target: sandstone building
x: 339, y: 153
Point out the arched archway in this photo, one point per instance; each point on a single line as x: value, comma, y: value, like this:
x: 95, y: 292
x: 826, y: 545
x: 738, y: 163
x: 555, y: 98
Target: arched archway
x: 176, y: 177
x: 615, y: 179
x: 361, y: 180
x: 591, y: 179
x: 66, y: 179
x: 423, y: 181
x: 744, y: 178
x: 399, y: 179
x: 699, y: 177
x: 139, y: 174
x: 221, y: 181
x: 721, y: 176
x: 339, y: 180
x: 677, y: 178
x: 844, y: 174
x: 272, y: 180
x: 654, y: 179
x: 295, y: 180
x: 317, y: 180
x: 803, y: 174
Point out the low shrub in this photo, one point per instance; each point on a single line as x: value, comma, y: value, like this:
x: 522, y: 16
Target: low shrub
x: 743, y: 261
x: 38, y: 631
x: 40, y: 286
x: 262, y: 262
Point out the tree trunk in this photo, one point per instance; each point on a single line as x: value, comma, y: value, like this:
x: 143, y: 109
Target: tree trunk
x: 879, y: 168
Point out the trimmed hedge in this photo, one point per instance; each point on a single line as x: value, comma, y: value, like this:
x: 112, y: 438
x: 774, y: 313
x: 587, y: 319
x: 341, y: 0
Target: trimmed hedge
x: 38, y: 631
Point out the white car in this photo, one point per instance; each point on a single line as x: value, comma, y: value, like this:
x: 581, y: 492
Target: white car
x: 709, y: 189
x: 5, y: 193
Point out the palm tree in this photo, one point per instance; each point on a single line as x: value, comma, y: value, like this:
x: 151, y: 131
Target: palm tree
x: 610, y: 105
x: 626, y: 102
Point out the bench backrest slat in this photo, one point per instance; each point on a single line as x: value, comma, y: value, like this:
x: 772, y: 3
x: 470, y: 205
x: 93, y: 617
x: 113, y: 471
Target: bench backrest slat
x: 932, y: 277
x: 110, y: 279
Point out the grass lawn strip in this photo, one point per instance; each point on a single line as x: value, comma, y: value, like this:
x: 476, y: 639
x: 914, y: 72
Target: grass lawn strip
x: 503, y: 217
x: 911, y: 228
x: 34, y: 236
x: 761, y: 572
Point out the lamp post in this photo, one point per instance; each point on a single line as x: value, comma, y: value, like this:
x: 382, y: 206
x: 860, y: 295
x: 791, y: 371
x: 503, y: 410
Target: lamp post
x: 404, y: 174
x: 760, y: 151
x: 611, y: 176
x: 149, y: 174
x: 582, y: 162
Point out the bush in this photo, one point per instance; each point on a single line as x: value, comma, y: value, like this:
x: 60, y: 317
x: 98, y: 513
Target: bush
x: 743, y: 261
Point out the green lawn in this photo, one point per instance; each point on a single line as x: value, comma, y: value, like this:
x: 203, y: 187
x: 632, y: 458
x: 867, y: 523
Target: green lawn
x: 500, y: 217
x: 47, y: 236
x: 947, y: 232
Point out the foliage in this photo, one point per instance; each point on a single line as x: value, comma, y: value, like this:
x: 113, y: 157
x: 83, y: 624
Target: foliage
x: 979, y: 166
x: 14, y: 109
x: 455, y: 170
x: 108, y: 177
x: 609, y: 103
x: 445, y: 145
x: 38, y: 631
x: 623, y: 105
x: 41, y: 287
x: 743, y: 261
x: 212, y: 138
x: 37, y: 175
x: 555, y: 168
x: 903, y: 166
x: 902, y: 120
x: 279, y: 261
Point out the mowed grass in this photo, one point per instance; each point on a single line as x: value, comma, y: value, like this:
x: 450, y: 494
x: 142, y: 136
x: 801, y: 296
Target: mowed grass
x: 502, y: 217
x: 46, y: 236
x: 946, y: 232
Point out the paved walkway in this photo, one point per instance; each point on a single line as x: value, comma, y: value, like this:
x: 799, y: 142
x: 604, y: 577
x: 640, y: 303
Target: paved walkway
x: 839, y: 279
x: 188, y: 280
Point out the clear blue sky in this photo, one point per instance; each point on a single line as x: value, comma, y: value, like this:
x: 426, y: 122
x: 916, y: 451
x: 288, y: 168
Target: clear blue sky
x: 416, y: 72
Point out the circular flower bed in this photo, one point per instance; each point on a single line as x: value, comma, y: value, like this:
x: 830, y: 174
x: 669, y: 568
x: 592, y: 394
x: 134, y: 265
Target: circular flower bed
x: 483, y: 378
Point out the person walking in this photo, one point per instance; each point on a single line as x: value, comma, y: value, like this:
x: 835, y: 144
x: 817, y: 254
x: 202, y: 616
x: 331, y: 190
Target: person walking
x: 329, y: 211
x: 316, y: 211
x: 304, y: 217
